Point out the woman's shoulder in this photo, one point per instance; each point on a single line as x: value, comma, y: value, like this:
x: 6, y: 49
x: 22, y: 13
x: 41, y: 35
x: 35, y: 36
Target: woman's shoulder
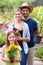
x: 25, y: 24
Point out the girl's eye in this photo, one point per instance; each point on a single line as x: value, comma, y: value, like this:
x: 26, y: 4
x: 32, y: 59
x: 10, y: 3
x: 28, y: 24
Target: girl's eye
x: 11, y: 37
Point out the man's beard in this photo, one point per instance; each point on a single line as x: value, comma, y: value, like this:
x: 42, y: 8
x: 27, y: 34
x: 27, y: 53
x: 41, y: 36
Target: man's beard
x: 26, y: 17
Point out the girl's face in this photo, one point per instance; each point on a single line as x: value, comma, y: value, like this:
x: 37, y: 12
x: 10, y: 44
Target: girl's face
x: 17, y: 15
x: 11, y: 38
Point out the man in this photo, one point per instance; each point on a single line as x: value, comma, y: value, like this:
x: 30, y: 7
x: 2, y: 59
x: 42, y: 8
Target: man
x: 26, y: 10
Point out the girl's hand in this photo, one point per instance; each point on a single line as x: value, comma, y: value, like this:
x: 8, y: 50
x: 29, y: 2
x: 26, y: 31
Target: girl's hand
x: 8, y: 60
x: 17, y: 59
x: 12, y: 60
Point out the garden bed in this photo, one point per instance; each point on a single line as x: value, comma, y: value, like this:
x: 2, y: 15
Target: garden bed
x: 39, y: 53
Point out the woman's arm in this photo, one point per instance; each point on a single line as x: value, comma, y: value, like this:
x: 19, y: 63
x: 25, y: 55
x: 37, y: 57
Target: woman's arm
x: 26, y: 33
x: 3, y: 55
x: 23, y: 39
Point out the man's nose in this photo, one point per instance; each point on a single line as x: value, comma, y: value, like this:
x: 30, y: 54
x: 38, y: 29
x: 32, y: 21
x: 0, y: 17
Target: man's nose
x: 25, y: 11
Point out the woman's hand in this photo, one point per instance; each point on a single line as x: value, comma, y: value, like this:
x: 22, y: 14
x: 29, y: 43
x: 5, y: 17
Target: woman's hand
x: 18, y: 38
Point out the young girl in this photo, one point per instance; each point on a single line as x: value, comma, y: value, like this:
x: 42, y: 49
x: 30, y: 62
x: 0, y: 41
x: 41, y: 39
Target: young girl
x: 11, y: 39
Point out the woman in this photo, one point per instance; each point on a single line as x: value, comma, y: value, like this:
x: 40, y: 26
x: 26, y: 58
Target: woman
x: 22, y: 27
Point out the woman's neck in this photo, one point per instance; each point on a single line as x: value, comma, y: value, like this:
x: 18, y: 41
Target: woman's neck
x: 18, y: 21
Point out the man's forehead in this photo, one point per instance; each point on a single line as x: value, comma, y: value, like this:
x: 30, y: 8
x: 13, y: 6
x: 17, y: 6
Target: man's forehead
x: 25, y: 8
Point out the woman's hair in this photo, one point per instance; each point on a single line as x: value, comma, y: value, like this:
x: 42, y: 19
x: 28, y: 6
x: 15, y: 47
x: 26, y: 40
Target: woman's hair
x: 7, y: 41
x: 18, y: 9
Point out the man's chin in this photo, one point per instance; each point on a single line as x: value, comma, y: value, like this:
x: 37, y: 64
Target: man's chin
x: 25, y: 16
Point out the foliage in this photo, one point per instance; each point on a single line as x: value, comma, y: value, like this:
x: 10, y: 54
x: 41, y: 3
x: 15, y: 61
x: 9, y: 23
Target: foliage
x: 11, y: 50
x: 10, y: 4
x: 17, y: 32
x: 7, y: 7
x: 39, y: 52
x: 2, y: 40
x: 38, y: 15
x: 7, y: 16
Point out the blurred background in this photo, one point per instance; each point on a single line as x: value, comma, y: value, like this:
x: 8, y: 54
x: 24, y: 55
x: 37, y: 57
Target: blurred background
x: 7, y: 11
x: 6, y: 16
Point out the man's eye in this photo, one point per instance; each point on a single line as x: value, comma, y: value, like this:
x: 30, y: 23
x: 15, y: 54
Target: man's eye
x: 23, y: 11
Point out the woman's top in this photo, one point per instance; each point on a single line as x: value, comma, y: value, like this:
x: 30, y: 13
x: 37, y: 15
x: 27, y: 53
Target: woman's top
x: 26, y: 33
x: 21, y: 33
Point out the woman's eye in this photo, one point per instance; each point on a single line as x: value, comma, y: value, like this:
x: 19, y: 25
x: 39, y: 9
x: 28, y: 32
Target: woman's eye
x: 17, y: 14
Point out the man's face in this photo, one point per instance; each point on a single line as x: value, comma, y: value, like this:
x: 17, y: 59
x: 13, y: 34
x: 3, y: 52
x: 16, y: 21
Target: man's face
x: 25, y: 12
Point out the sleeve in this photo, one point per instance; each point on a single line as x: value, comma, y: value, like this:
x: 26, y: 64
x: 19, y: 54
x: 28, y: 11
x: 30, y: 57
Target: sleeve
x: 28, y: 32
x: 35, y: 26
x: 19, y: 48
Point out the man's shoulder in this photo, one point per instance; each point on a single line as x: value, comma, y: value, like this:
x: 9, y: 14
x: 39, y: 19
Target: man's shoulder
x: 33, y: 21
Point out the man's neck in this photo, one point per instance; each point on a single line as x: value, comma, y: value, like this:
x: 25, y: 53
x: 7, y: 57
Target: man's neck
x: 26, y: 18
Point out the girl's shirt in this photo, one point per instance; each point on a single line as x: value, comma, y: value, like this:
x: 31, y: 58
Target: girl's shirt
x: 16, y: 56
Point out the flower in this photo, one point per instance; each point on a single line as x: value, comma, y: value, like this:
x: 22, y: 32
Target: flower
x: 12, y: 50
x: 17, y: 32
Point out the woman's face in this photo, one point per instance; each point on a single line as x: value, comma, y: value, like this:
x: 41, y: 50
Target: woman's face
x: 11, y: 38
x: 18, y: 15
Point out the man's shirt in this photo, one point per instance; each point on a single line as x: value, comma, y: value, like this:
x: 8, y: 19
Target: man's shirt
x: 32, y: 27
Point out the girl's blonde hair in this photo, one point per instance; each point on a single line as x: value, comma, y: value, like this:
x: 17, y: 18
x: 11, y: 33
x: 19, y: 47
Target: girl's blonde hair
x: 7, y: 41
